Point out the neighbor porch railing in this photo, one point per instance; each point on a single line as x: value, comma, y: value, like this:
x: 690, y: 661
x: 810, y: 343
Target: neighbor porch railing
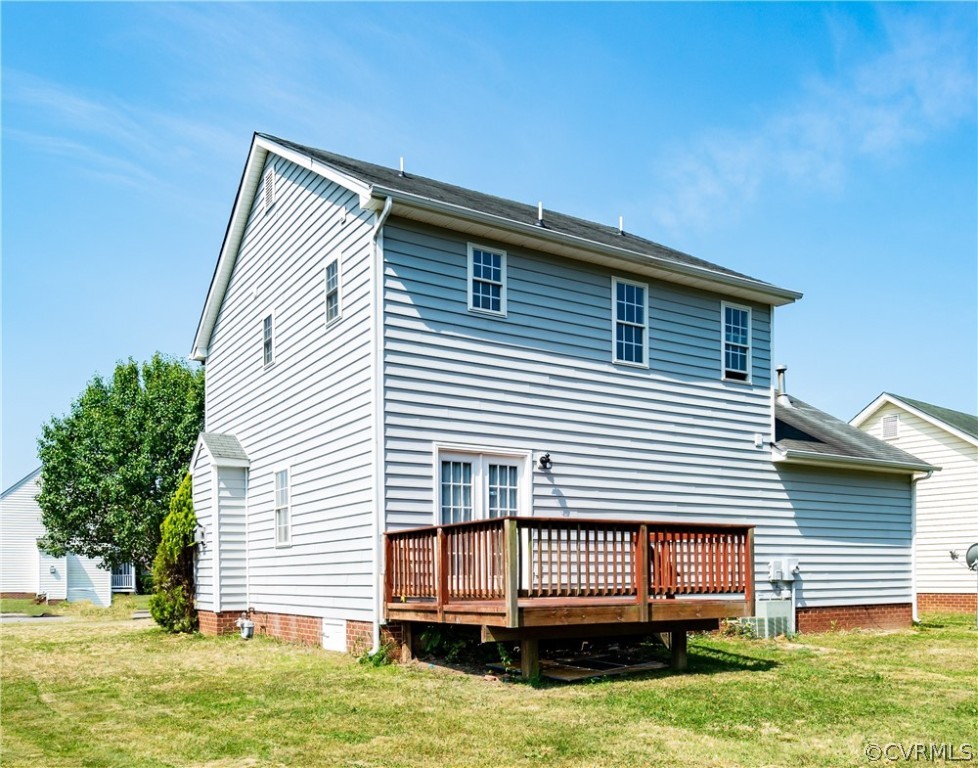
x: 510, y: 559
x: 124, y: 578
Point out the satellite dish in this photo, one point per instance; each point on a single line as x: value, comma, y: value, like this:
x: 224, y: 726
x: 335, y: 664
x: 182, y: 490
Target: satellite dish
x: 971, y: 557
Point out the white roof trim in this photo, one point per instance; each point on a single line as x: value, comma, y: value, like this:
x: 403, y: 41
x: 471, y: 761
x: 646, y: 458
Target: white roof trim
x: 644, y: 263
x: 23, y: 481
x: 374, y: 197
x: 887, y: 399
x: 836, y: 461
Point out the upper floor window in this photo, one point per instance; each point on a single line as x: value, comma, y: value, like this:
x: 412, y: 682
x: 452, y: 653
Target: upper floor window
x: 487, y: 280
x: 268, y: 343
x: 332, y: 291
x: 891, y: 426
x: 631, y: 326
x: 268, y: 188
x: 736, y: 342
x: 283, y: 522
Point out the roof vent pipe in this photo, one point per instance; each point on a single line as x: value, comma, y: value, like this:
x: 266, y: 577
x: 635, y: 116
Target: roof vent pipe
x: 540, y: 214
x: 621, y: 225
x: 783, y: 398
x: 401, y: 173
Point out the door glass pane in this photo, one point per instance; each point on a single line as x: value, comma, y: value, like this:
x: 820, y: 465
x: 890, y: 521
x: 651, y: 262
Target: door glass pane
x: 502, y: 490
x: 456, y: 491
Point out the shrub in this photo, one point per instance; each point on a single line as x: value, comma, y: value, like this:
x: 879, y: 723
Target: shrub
x: 172, y: 601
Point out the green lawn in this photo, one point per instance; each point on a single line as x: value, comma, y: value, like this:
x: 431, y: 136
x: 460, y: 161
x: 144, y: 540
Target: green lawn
x: 122, y: 607
x: 121, y: 693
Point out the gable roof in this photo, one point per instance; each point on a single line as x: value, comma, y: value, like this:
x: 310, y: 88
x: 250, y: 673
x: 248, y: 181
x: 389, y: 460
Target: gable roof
x: 20, y: 483
x: 224, y: 450
x: 958, y: 423
x: 803, y: 434
x: 477, y: 215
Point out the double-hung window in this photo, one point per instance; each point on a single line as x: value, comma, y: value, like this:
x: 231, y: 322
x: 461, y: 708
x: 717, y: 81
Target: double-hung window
x: 332, y: 291
x: 267, y: 340
x: 283, y: 521
x: 631, y: 322
x: 736, y: 342
x: 487, y: 280
x: 479, y: 486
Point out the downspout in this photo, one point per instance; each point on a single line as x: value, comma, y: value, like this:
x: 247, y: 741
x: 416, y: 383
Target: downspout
x: 914, y: 479
x: 377, y: 307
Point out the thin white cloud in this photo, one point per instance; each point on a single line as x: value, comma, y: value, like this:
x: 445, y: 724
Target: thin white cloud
x: 921, y: 85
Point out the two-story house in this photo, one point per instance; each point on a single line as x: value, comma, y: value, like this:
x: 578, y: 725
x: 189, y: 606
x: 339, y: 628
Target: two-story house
x: 946, y: 511
x: 426, y: 403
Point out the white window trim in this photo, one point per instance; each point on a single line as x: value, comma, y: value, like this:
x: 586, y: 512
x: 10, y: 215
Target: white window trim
x: 339, y: 290
x: 453, y: 450
x: 287, y: 468
x: 264, y: 315
x: 470, y: 248
x: 723, y: 342
x: 614, y: 323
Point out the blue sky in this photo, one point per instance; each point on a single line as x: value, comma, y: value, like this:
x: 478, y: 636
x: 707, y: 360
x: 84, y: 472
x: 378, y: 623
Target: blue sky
x: 828, y: 148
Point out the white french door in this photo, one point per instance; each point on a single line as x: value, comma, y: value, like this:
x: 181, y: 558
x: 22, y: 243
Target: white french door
x: 479, y: 486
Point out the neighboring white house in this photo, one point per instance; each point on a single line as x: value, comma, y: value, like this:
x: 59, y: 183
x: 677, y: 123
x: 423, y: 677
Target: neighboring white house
x: 387, y: 352
x: 947, y: 502
x: 26, y: 571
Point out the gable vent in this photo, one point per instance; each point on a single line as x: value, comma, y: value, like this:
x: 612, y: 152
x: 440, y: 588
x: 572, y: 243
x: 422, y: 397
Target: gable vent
x: 891, y: 427
x: 268, y: 188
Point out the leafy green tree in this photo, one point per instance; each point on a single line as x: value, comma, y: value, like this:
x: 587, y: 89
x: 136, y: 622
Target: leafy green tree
x: 111, y: 465
x: 172, y: 601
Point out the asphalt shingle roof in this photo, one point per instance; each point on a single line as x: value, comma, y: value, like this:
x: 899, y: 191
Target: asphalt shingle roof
x: 963, y: 422
x: 223, y: 446
x: 443, y: 192
x: 803, y: 427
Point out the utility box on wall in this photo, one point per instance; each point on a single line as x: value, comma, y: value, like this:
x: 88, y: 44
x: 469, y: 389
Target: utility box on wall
x: 783, y: 569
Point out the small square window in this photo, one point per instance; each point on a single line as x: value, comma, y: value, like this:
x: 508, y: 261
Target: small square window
x: 332, y: 291
x: 736, y: 342
x: 268, y: 344
x: 631, y: 322
x: 487, y: 280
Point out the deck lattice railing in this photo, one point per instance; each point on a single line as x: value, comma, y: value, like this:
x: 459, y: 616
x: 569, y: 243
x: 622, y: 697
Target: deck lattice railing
x: 508, y: 558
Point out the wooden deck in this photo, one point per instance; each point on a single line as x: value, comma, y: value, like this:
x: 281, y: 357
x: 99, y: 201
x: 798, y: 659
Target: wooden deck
x: 523, y: 574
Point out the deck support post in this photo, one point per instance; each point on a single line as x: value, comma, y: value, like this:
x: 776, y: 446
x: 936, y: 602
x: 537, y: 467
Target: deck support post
x: 749, y: 574
x: 441, y: 572
x: 642, y: 575
x: 529, y: 658
x: 407, y: 642
x: 677, y: 648
x: 511, y: 571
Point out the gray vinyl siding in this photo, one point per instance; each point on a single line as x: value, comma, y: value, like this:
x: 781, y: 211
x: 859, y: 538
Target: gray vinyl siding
x: 670, y: 442
x: 232, y: 486
x: 852, y: 535
x: 311, y: 410
x: 203, y: 491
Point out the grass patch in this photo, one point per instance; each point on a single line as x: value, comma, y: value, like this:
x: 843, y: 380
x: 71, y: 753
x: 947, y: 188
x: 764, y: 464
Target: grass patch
x: 96, y: 693
x: 123, y: 606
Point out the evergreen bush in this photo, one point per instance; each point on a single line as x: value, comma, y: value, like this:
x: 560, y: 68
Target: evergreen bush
x: 172, y: 601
